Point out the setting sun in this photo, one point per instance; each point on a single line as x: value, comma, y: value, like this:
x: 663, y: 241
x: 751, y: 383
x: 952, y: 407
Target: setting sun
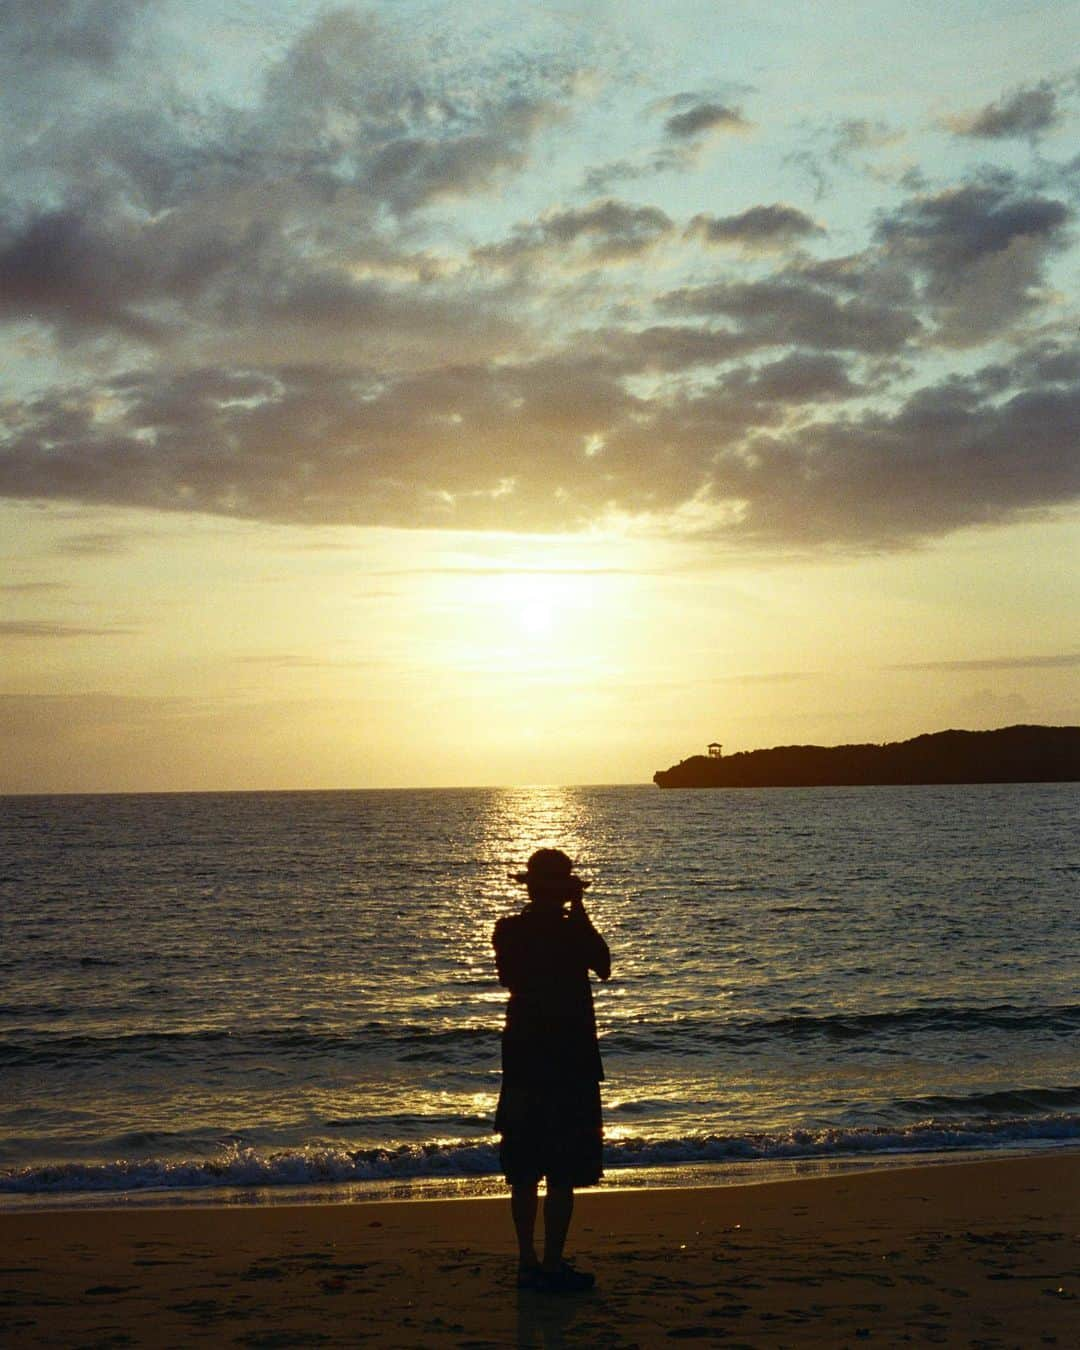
x: 539, y: 606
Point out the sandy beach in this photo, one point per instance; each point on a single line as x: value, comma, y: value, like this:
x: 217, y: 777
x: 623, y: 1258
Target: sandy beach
x: 980, y: 1254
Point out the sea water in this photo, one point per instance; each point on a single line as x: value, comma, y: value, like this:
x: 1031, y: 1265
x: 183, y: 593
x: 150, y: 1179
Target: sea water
x: 272, y: 990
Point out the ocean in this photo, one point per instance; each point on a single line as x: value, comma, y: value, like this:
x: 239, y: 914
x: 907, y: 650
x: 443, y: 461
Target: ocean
x: 253, y: 995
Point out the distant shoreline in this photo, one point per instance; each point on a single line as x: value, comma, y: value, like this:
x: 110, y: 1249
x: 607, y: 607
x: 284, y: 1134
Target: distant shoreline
x: 1018, y: 754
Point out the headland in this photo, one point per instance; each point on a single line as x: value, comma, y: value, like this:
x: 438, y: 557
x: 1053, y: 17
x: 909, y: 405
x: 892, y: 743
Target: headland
x: 1020, y: 754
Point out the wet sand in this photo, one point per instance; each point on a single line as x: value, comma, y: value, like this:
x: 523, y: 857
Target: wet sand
x: 977, y: 1254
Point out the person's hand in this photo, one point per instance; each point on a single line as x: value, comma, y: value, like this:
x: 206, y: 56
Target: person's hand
x: 575, y: 890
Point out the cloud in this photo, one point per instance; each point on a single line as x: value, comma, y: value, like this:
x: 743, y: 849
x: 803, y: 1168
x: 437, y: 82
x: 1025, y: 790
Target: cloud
x: 41, y: 628
x: 1052, y: 661
x: 601, y: 178
x: 667, y: 347
x: 785, y: 311
x: 774, y: 677
x: 801, y: 377
x: 285, y: 303
x: 91, y: 272
x: 854, y: 135
x: 979, y: 250
x: 758, y: 229
x: 411, y: 171
x: 696, y: 118
x: 297, y: 661
x: 148, y: 220
x: 852, y: 142
x: 32, y: 587
x: 946, y: 459
x: 610, y: 230
x: 557, y: 443
x: 1025, y: 112
x: 500, y: 570
x: 68, y: 32
x: 94, y: 544
x: 163, y: 283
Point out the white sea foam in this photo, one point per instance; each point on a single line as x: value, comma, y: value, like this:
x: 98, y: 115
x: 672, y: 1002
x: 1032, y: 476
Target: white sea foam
x: 251, y: 1168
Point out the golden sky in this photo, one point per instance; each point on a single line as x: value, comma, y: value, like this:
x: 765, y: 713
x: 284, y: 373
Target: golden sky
x: 473, y: 394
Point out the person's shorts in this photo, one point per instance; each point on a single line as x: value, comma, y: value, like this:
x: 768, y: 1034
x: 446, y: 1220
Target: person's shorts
x: 553, y: 1131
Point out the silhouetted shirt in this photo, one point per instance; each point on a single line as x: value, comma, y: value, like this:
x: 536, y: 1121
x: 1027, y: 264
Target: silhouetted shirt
x: 544, y: 959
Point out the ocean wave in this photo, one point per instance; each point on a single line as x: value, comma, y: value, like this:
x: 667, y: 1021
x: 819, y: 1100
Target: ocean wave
x: 1004, y: 1101
x: 400, y: 1041
x: 419, y: 1042
x: 249, y: 1168
x: 688, y: 1034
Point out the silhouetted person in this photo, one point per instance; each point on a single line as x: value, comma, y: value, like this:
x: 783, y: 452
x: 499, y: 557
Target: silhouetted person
x: 549, y: 1106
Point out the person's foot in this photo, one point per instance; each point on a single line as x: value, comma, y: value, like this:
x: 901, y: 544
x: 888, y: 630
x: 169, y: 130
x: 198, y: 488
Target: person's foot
x: 527, y: 1276
x: 564, y: 1280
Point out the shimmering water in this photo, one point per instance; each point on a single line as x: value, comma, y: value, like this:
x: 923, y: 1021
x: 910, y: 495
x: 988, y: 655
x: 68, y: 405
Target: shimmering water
x: 273, y: 988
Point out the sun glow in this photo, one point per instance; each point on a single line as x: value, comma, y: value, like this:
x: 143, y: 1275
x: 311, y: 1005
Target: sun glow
x: 536, y: 606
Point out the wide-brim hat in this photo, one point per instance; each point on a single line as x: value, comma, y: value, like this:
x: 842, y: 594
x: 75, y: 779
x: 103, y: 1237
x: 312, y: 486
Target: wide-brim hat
x: 546, y: 864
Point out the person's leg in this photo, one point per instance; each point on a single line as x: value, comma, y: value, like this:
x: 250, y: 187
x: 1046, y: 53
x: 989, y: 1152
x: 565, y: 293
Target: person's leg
x: 558, y: 1208
x: 523, y: 1208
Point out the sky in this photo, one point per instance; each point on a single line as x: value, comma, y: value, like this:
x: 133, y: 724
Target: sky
x: 441, y: 393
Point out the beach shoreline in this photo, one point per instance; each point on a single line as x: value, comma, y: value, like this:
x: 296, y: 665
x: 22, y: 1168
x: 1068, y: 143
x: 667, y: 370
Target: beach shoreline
x: 491, y: 1185
x: 976, y: 1252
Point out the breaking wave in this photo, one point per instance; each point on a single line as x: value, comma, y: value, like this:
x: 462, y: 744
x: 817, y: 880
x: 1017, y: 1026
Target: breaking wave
x: 248, y: 1168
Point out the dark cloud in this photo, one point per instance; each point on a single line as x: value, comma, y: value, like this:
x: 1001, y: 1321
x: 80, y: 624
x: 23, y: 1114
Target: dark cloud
x: 554, y: 444
x: 456, y: 444
x: 611, y: 230
x: 979, y: 250
x: 667, y: 347
x: 411, y: 171
x: 1048, y: 361
x: 865, y: 275
x: 946, y: 459
x: 701, y: 117
x: 155, y: 282
x: 783, y: 312
x: 759, y: 228
x: 958, y: 228
x: 802, y: 377
x: 1025, y: 112
x: 39, y: 34
x: 84, y: 271
x: 615, y: 221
